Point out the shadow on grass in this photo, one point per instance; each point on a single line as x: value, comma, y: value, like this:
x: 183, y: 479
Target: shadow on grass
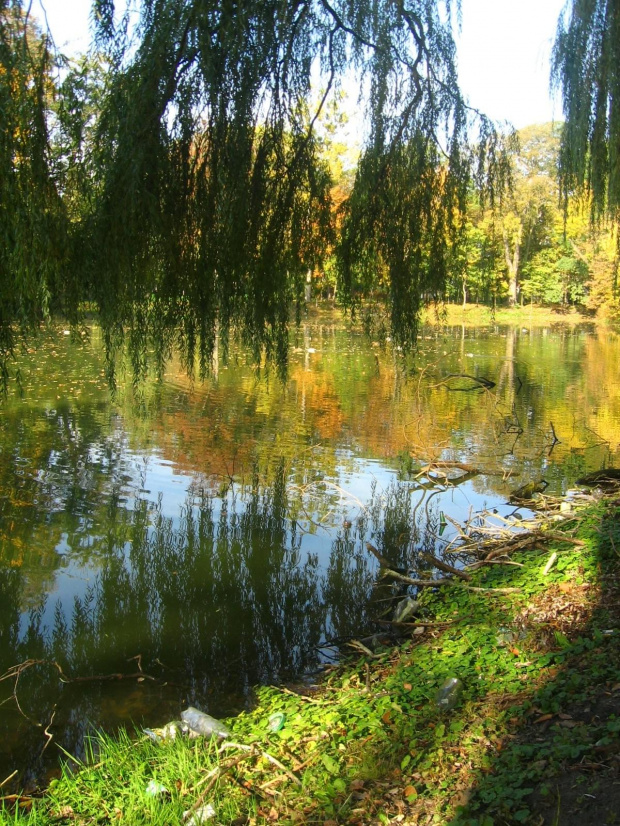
x: 560, y: 761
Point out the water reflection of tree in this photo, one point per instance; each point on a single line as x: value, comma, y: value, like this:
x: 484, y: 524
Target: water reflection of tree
x: 222, y: 598
x: 216, y: 596
x: 215, y: 601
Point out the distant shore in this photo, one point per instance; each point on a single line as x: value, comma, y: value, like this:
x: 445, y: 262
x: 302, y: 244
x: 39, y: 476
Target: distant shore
x: 529, y: 315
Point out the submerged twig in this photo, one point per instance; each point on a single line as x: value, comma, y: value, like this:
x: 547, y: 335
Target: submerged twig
x: 385, y: 563
x: 46, y: 731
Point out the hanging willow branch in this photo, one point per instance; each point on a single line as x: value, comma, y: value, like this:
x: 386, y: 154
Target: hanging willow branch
x: 196, y: 193
x: 585, y: 66
x: 31, y: 216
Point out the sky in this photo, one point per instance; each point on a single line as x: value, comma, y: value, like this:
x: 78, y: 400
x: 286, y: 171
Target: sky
x: 503, y: 53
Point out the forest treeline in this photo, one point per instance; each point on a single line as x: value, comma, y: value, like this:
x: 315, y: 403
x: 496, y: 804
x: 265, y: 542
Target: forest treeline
x: 179, y: 180
x: 526, y: 248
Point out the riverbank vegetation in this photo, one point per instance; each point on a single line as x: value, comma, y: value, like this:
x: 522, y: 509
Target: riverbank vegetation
x: 530, y: 631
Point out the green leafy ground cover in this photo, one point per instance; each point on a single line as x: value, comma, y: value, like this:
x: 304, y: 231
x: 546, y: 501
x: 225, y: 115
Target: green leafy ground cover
x: 535, y: 737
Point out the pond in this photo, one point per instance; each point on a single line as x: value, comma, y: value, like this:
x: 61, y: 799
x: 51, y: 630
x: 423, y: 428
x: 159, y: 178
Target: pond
x: 185, y: 543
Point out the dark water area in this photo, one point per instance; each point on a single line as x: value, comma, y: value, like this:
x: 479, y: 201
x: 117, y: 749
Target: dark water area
x: 186, y: 544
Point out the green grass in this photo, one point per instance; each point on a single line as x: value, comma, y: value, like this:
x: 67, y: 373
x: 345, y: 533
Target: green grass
x: 372, y: 744
x: 478, y: 315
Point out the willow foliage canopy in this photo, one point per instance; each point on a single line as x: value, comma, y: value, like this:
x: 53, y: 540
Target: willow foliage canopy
x: 208, y: 200
x: 31, y: 231
x: 587, y: 68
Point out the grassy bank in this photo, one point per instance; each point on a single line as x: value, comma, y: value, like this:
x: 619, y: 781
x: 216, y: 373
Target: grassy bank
x: 475, y: 315
x: 533, y: 738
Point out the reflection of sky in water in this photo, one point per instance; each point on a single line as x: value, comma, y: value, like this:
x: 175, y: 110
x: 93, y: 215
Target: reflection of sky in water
x: 153, y: 479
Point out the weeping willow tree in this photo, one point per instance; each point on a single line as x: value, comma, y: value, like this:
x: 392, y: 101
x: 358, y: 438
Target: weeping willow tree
x: 586, y: 67
x: 31, y: 214
x: 215, y: 199
x: 209, y: 199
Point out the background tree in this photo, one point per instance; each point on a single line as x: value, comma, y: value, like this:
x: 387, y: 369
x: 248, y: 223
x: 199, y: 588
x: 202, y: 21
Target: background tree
x: 527, y: 217
x: 500, y: 243
x: 477, y: 273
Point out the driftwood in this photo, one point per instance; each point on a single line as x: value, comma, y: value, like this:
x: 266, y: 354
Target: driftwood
x: 438, y: 563
x: 443, y: 566
x: 432, y: 583
x: 527, y: 492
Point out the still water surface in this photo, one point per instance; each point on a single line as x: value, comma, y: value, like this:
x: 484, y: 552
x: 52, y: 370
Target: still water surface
x: 206, y: 538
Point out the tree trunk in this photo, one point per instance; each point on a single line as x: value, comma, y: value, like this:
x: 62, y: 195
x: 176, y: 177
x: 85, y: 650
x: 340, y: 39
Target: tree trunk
x: 512, y: 262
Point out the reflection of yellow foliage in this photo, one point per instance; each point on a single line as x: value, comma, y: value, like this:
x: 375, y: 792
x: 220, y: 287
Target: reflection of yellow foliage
x: 340, y: 392
x: 319, y: 401
x: 601, y: 372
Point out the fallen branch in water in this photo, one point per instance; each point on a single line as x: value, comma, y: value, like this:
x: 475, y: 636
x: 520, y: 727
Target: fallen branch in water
x: 443, y: 566
x: 15, y: 671
x: 447, y: 465
x: 385, y: 563
x: 426, y: 583
x: 438, y: 563
x: 359, y: 646
x: 419, y: 583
